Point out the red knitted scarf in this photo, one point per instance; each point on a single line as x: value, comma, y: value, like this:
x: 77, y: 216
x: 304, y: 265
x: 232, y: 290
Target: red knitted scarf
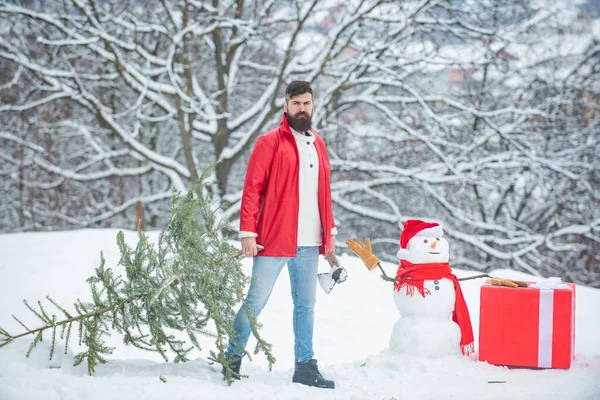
x: 413, y: 276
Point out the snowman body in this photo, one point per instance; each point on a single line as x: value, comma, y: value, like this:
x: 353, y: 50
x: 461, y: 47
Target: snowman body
x: 425, y: 327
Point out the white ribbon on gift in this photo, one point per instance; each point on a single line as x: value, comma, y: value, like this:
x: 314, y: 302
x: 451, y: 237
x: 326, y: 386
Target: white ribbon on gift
x: 550, y: 283
x: 546, y: 287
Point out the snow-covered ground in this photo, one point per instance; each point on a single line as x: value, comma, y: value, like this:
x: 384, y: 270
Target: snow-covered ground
x: 352, y: 332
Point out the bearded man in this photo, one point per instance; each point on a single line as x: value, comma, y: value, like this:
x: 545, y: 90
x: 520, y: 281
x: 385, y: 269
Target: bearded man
x: 286, y: 207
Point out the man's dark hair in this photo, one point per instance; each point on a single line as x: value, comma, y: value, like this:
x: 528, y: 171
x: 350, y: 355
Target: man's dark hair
x: 297, y: 87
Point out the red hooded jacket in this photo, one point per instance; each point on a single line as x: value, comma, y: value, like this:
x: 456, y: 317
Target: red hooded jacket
x: 271, y: 200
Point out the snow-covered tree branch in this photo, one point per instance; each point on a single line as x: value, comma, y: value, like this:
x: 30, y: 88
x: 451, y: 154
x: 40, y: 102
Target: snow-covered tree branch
x: 483, y: 115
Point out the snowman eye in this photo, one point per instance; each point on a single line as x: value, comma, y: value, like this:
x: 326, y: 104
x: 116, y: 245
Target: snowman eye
x: 438, y: 239
x: 425, y: 241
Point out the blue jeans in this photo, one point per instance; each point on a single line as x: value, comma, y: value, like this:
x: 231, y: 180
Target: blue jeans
x: 303, y: 281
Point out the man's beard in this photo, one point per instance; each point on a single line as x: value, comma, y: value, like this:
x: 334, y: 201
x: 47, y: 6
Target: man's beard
x: 300, y: 122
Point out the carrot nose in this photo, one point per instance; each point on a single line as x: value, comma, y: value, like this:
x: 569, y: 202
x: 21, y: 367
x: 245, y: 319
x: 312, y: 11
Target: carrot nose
x: 433, y: 244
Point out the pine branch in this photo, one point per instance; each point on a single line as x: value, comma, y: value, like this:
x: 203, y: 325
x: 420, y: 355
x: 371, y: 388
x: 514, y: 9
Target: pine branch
x: 59, y: 323
x: 191, y: 278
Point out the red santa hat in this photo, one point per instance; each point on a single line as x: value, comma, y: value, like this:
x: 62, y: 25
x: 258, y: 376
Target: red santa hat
x: 416, y: 227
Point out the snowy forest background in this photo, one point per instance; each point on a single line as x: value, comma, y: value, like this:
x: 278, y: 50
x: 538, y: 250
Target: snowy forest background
x: 481, y: 114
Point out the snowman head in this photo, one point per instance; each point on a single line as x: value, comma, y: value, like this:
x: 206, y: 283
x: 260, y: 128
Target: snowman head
x: 422, y: 242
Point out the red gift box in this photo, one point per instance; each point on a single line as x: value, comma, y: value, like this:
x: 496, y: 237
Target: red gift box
x: 527, y: 327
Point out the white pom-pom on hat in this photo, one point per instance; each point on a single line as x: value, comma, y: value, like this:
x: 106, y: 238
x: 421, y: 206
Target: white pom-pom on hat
x: 403, y: 254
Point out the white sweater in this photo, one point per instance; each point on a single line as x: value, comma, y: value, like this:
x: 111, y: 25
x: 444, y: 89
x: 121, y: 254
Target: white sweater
x: 309, y: 218
x: 310, y: 231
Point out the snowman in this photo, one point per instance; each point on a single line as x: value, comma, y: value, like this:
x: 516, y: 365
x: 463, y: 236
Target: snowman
x: 434, y: 319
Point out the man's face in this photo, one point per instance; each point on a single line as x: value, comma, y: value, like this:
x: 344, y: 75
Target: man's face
x: 299, y: 111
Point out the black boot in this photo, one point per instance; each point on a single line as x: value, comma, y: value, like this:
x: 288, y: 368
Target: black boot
x: 235, y: 362
x: 308, y: 374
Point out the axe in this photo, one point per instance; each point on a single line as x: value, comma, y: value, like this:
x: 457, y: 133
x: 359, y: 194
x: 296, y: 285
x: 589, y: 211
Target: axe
x: 336, y: 274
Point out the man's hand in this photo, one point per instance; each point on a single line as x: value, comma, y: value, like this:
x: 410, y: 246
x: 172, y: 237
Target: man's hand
x: 364, y: 252
x: 249, y: 248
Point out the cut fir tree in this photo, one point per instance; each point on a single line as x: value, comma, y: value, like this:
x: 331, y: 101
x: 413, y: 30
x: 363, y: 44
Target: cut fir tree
x: 190, y: 281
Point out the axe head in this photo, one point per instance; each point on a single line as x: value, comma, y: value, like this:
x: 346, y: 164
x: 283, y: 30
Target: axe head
x: 326, y: 281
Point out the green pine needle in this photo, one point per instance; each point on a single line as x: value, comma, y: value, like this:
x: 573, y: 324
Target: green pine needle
x: 36, y: 340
